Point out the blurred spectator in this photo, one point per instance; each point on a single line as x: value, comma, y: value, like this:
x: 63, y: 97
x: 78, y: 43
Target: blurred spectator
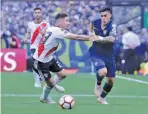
x: 144, y: 36
x: 16, y: 14
x: 4, y: 39
x: 130, y: 41
x: 144, y: 44
x: 14, y: 42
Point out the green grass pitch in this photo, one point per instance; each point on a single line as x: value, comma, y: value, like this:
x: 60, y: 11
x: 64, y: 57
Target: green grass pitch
x: 18, y: 96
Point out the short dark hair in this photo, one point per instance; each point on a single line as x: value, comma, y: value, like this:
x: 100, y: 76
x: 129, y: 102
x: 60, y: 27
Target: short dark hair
x: 105, y: 9
x: 130, y: 28
x: 37, y: 8
x: 60, y: 15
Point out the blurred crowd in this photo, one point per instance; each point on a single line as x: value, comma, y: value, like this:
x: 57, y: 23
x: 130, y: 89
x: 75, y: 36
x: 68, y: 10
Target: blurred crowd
x: 15, y: 16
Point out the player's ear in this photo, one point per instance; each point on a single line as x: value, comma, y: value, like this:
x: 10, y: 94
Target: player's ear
x: 110, y: 15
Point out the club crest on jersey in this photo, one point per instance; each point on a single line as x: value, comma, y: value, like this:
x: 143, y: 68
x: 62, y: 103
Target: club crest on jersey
x: 104, y: 32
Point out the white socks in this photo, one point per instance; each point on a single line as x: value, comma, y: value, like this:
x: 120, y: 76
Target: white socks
x: 46, y: 91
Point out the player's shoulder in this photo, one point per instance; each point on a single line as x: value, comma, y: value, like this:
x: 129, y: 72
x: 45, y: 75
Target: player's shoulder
x: 113, y: 24
x: 54, y: 29
x: 45, y: 21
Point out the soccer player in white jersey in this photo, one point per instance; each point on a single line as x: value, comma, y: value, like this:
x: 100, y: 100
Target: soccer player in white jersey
x: 44, y: 60
x: 36, y: 30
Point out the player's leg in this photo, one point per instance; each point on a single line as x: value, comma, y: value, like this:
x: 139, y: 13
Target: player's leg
x: 37, y: 82
x: 109, y: 82
x: 43, y: 71
x: 100, y: 75
x: 106, y: 89
x: 60, y: 74
x: 58, y: 79
x: 56, y: 67
x: 101, y: 71
x: 46, y: 91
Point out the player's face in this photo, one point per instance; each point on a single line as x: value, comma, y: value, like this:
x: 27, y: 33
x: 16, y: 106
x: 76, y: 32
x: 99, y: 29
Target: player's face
x: 37, y: 14
x: 105, y: 17
x: 65, y: 23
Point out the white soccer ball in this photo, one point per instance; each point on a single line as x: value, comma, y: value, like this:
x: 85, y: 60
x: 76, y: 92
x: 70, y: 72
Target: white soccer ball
x: 67, y: 102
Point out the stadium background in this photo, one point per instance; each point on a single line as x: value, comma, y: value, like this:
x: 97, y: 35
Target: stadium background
x: 18, y: 95
x: 74, y: 54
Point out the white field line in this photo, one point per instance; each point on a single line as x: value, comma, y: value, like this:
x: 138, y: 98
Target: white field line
x: 75, y: 95
x: 132, y: 80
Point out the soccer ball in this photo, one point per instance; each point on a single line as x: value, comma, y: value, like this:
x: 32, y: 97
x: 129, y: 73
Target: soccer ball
x: 67, y: 102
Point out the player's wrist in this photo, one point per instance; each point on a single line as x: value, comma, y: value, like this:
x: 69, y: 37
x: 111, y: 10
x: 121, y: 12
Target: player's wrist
x: 101, y: 38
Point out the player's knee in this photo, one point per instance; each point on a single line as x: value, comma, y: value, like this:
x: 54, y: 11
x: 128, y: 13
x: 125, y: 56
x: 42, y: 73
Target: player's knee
x: 50, y: 82
x: 110, y: 81
x: 61, y: 74
x: 62, y: 77
x: 103, y: 72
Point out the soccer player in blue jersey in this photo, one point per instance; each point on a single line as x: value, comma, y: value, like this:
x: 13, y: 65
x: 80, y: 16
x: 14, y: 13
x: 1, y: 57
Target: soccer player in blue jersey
x: 102, y: 53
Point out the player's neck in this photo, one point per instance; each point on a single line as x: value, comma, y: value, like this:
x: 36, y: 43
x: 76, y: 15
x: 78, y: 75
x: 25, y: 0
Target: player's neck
x: 58, y: 26
x: 104, y: 25
x: 37, y: 21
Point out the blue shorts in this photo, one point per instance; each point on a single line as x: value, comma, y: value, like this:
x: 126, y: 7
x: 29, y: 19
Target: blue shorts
x: 100, y: 63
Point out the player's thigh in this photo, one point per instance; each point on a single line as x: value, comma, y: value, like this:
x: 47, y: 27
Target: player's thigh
x: 55, y: 66
x: 63, y: 73
x: 111, y: 68
x: 43, y: 70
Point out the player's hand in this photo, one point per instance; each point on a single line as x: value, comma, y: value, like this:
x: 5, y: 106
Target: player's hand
x: 93, y: 38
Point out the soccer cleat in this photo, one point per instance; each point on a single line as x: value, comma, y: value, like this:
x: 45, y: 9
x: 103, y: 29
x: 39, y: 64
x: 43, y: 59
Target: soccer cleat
x: 37, y: 85
x: 59, y: 88
x: 97, y: 90
x: 47, y: 101
x: 102, y: 100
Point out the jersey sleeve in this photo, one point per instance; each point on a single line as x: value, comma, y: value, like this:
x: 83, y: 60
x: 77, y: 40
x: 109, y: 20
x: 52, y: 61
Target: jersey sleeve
x: 28, y: 27
x: 48, y: 24
x: 62, y: 33
x: 113, y: 31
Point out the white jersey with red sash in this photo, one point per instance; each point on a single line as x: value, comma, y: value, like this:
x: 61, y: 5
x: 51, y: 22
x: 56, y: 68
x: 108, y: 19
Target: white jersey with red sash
x: 48, y: 45
x: 37, y: 32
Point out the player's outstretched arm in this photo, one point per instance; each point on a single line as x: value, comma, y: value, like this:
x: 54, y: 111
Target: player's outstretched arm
x: 77, y: 37
x: 102, y: 39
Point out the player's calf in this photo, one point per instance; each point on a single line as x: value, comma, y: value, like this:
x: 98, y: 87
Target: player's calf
x: 107, y: 87
x: 98, y: 88
x: 99, y: 75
